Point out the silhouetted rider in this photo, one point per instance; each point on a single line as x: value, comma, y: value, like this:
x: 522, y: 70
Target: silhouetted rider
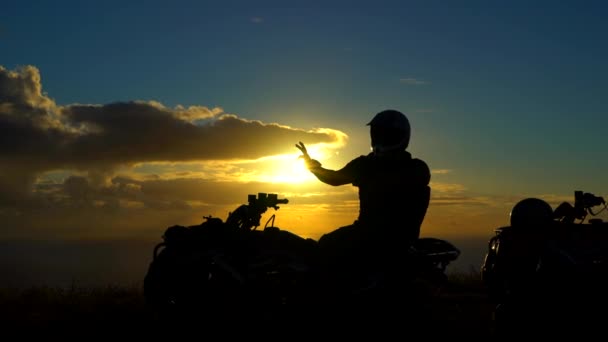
x: 394, y: 195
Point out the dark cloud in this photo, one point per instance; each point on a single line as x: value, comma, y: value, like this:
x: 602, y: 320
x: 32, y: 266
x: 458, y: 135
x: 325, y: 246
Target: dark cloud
x: 77, y: 189
x: 21, y: 95
x: 15, y: 184
x: 140, y: 132
x: 37, y: 135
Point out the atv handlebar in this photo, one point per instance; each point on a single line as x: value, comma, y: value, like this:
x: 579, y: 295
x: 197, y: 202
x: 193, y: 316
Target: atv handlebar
x: 587, y: 200
x: 583, y: 202
x: 266, y: 200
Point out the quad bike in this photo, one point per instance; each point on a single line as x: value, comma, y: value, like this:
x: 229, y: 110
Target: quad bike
x: 547, y: 271
x: 232, y: 270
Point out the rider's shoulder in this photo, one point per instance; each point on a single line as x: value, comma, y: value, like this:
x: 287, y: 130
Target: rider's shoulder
x: 357, y: 163
x: 419, y: 163
x: 421, y: 170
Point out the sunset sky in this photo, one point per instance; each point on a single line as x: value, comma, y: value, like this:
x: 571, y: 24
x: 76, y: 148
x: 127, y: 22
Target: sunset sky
x: 120, y: 118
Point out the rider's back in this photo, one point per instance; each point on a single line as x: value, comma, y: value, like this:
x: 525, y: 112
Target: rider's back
x: 394, y: 194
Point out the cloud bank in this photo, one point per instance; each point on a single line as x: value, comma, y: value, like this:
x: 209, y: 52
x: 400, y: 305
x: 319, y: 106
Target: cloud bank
x: 89, y: 143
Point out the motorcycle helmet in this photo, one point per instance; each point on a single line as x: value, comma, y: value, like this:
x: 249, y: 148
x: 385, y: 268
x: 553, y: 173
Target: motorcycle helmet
x: 531, y: 212
x: 389, y: 130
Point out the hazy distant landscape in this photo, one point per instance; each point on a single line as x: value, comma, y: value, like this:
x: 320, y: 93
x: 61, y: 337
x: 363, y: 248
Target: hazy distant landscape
x: 27, y: 263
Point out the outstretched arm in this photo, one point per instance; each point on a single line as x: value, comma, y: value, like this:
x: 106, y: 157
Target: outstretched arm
x: 327, y: 176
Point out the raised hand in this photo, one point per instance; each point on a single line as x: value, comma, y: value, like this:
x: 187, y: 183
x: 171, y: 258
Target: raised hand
x: 310, y: 163
x: 302, y: 148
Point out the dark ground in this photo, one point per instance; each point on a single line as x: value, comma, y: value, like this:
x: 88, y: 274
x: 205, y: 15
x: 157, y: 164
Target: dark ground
x: 459, y: 309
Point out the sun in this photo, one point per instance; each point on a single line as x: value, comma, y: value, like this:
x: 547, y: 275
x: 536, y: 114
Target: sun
x: 299, y: 170
x: 289, y: 168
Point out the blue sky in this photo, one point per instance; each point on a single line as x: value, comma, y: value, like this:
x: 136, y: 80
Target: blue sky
x: 506, y: 98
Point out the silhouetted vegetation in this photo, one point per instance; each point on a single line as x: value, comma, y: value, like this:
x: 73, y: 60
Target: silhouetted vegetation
x: 48, y: 309
x: 460, y: 308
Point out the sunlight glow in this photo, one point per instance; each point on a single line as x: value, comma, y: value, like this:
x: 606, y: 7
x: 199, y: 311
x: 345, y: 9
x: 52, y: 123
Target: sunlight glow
x: 287, y: 168
x: 284, y: 168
